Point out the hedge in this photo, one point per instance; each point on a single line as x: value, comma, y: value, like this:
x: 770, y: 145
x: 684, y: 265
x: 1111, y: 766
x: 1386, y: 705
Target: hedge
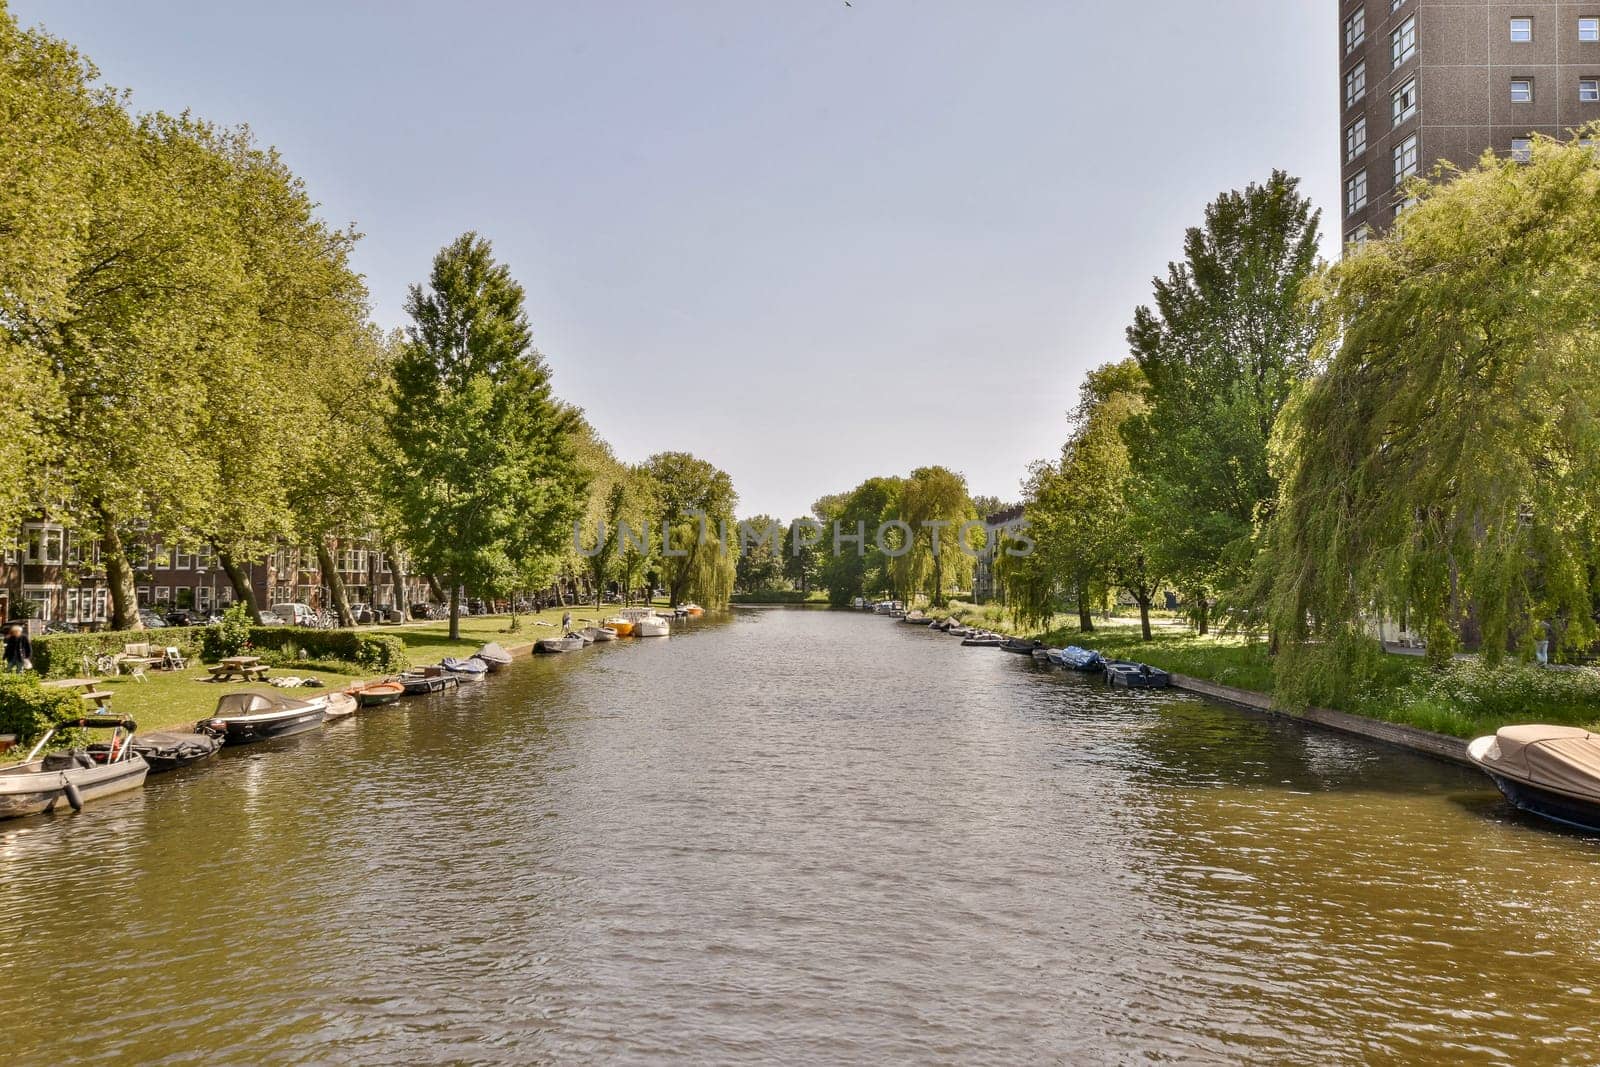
x: 773, y: 596
x: 28, y: 709
x: 370, y: 651
x: 61, y: 655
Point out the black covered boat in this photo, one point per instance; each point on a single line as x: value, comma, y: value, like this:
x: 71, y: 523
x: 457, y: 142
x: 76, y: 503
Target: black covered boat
x: 244, y: 718
x: 1019, y: 646
x: 1120, y: 672
x: 164, y: 750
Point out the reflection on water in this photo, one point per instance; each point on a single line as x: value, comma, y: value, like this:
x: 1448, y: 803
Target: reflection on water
x: 800, y: 836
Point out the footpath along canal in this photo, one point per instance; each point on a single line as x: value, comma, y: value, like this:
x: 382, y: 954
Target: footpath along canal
x: 800, y: 836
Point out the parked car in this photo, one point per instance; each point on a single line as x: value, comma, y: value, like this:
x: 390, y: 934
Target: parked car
x: 269, y: 618
x: 151, y: 620
x: 295, y: 614
x: 181, y: 617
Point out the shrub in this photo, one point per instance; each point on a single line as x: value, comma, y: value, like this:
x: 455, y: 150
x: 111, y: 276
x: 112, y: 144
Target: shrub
x: 61, y: 655
x: 28, y: 709
x: 370, y: 651
x: 231, y: 636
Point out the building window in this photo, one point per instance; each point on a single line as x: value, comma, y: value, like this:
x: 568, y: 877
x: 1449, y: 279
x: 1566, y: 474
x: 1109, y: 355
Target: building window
x: 1355, y: 193
x: 184, y: 596
x: 163, y: 596
x: 39, y: 596
x: 1521, y: 30
x: 225, y: 595
x: 1355, y: 30
x: 1522, y: 149
x: 1589, y: 29
x: 1403, y: 104
x: 182, y: 561
x: 202, y: 598
x: 101, y: 603
x: 1522, y: 90
x: 1355, y: 83
x: 1589, y: 90
x: 143, y: 596
x: 1355, y: 140
x: 44, y: 545
x: 1405, y: 159
x: 1359, y: 236
x: 202, y: 558
x: 1403, y: 42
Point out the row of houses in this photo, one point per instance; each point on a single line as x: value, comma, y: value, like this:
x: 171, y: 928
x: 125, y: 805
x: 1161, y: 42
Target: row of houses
x: 58, y: 571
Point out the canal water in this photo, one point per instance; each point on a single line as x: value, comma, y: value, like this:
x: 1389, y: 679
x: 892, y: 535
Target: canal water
x: 807, y: 837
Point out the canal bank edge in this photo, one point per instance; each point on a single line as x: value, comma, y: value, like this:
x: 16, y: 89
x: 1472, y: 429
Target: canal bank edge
x: 1439, y: 746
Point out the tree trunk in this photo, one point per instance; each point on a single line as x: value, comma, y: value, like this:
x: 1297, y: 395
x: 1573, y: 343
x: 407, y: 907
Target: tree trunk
x: 119, y: 576
x: 243, y: 591
x: 1202, y: 617
x: 436, y: 589
x: 330, y: 575
x: 397, y: 578
x: 1085, y: 615
x: 1144, y: 614
x: 455, y: 611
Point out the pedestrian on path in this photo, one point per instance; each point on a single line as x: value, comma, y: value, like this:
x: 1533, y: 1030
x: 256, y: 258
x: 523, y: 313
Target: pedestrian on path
x: 19, y: 650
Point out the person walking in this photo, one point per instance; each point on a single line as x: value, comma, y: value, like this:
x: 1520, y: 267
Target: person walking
x: 566, y: 622
x: 19, y: 650
x: 1541, y: 647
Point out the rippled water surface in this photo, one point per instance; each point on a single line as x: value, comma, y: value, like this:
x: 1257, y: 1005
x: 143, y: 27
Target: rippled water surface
x: 805, y: 837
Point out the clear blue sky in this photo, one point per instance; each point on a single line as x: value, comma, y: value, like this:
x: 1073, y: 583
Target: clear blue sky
x: 806, y: 241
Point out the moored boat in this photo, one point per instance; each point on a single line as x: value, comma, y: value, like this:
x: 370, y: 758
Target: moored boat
x: 427, y: 680
x: 163, y: 750
x: 377, y: 694
x: 493, y: 656
x: 982, y: 639
x: 72, y: 779
x: 1080, y: 659
x: 573, y: 642
x: 917, y: 618
x: 623, y: 627
x: 959, y: 631
x: 340, y: 706
x: 1549, y: 771
x: 693, y: 611
x: 253, y: 715
x: 652, y: 626
x: 465, y: 670
x: 1019, y: 646
x: 604, y: 633
x: 1136, y: 675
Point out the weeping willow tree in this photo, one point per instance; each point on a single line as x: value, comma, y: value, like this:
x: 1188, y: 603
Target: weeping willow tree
x: 697, y: 503
x: 1445, y: 465
x: 934, y: 504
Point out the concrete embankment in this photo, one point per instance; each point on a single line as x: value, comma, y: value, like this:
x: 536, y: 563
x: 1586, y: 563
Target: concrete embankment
x: 1440, y: 746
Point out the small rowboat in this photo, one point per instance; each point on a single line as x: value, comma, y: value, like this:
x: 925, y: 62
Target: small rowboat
x: 693, y: 611
x: 605, y: 633
x: 573, y: 642
x: 377, y: 694
x: 982, y: 640
x: 1019, y: 646
x: 420, y: 683
x: 1136, y: 675
x: 340, y: 706
x: 36, y: 785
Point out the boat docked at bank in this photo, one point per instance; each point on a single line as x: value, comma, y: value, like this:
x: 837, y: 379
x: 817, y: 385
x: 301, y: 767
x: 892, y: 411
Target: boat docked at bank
x: 377, y: 694
x: 257, y: 715
x: 163, y: 750
x: 605, y: 633
x: 1549, y: 771
x: 72, y: 779
x: 1128, y: 675
x: 982, y: 639
x: 470, y: 669
x: 421, y: 682
x: 1019, y: 646
x: 619, y: 625
x: 494, y: 657
x: 572, y: 642
x: 652, y: 626
x: 1074, y: 658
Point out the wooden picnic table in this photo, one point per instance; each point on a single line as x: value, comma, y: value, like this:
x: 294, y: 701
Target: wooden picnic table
x: 100, y: 698
x: 245, y: 668
x: 139, y: 661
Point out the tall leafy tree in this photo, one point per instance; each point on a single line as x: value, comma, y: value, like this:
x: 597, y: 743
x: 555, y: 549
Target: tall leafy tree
x: 761, y: 563
x: 1221, y: 348
x: 934, y: 504
x: 853, y: 564
x: 481, y: 465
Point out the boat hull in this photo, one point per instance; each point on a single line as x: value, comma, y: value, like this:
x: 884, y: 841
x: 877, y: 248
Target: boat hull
x: 37, y: 791
x: 1572, y: 812
x: 652, y: 628
x: 266, y: 728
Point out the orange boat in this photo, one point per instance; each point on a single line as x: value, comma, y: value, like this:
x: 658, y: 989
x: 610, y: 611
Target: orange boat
x: 694, y: 610
x: 377, y: 693
x: 624, y: 627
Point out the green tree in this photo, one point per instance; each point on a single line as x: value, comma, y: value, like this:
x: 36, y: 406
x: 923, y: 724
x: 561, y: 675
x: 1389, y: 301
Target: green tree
x: 934, y: 504
x: 803, y: 553
x: 1222, y: 347
x: 481, y: 465
x: 1446, y: 464
x: 853, y: 564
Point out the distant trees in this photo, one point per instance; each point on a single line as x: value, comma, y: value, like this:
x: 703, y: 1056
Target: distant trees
x: 482, y: 471
x: 699, y: 538
x: 762, y: 554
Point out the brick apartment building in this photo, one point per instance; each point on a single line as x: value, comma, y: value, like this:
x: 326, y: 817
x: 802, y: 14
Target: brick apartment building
x: 1429, y: 80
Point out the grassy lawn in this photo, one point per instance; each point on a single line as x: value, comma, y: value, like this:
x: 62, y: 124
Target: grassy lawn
x: 176, y: 699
